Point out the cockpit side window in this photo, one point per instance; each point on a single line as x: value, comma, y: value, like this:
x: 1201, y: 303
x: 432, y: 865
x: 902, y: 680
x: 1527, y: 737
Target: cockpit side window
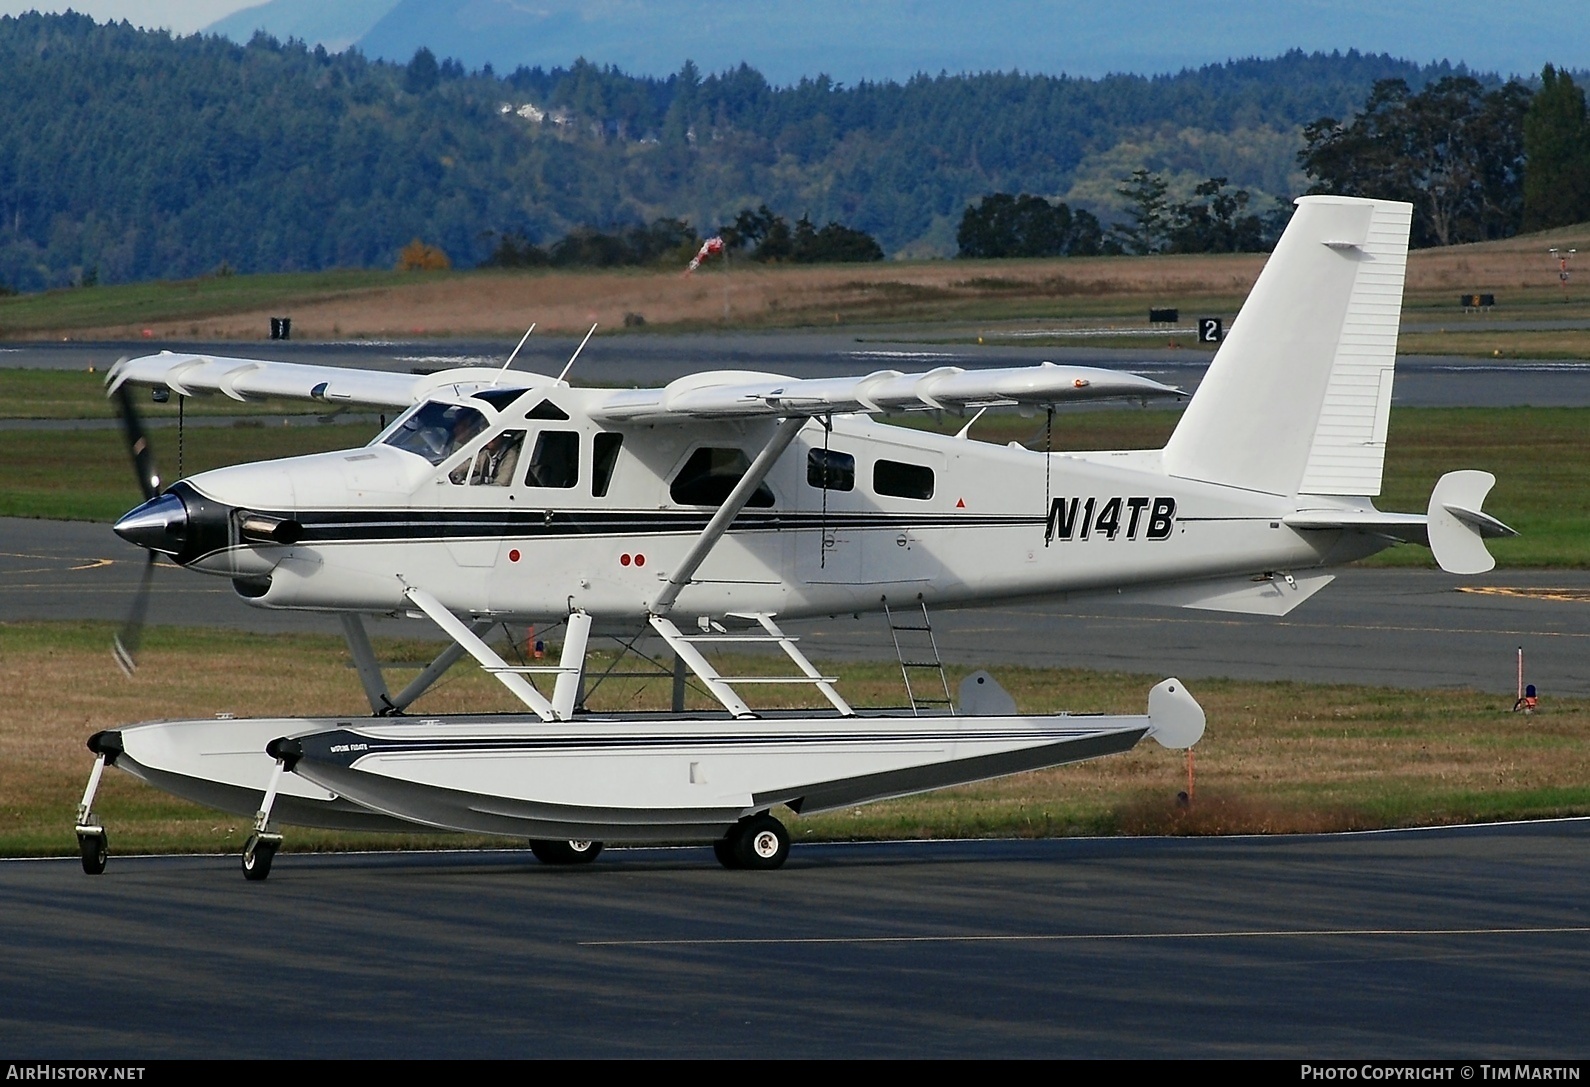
x: 437, y: 430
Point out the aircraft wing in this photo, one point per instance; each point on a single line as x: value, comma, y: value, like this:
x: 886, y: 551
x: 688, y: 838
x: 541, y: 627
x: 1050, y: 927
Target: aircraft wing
x: 732, y: 394
x: 257, y: 379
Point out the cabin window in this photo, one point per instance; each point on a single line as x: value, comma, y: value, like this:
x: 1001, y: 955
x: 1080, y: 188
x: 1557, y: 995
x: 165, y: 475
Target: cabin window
x: 710, y: 474
x: 546, y: 410
x: 604, y: 457
x: 892, y: 477
x: 436, y: 431
x: 831, y: 470
x: 500, y: 398
x: 494, y: 465
x: 555, y: 462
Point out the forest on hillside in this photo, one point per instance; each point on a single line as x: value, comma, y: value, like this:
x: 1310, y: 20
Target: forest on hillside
x: 130, y: 154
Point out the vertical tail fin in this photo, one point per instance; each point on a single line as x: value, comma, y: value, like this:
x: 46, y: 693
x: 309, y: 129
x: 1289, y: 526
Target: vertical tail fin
x: 1298, y: 397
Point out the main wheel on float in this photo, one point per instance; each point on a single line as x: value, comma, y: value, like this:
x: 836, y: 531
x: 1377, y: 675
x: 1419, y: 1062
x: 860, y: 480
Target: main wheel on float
x: 758, y: 841
x: 573, y: 851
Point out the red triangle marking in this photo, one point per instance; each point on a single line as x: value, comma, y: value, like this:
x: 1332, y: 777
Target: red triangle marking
x: 960, y: 503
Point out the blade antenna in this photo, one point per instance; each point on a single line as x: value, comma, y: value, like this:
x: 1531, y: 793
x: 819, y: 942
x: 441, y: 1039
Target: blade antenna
x: 513, y: 356
x: 576, y: 354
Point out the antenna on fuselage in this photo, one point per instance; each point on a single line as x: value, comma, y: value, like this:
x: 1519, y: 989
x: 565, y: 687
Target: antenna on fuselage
x: 576, y: 354
x: 515, y: 354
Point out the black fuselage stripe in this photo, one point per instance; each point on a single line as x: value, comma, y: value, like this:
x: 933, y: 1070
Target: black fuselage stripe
x: 373, y: 525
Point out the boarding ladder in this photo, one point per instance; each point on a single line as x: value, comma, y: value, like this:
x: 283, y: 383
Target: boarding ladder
x: 919, y: 652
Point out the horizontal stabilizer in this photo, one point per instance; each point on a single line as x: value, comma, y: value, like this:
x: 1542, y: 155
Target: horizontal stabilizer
x: 1458, y: 528
x: 1404, y: 527
x: 1262, y: 594
x: 735, y: 394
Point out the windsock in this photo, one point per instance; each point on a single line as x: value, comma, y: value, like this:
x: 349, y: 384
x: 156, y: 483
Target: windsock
x: 711, y: 247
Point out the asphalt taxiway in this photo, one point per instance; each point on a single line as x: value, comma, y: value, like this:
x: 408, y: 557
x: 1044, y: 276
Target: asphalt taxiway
x: 1459, y: 943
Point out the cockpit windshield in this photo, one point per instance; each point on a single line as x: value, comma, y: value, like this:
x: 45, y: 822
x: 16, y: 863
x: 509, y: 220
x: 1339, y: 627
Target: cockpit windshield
x: 436, y: 431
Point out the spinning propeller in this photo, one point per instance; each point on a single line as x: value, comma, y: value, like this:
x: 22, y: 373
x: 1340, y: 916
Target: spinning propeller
x: 125, y: 647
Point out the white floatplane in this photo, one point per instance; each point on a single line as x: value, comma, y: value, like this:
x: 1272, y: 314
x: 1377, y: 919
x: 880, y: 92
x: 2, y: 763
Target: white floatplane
x: 737, y: 500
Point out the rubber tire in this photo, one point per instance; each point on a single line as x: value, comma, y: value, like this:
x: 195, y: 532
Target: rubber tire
x: 95, y: 850
x: 760, y: 843
x: 565, y: 852
x: 723, y: 849
x: 257, y: 857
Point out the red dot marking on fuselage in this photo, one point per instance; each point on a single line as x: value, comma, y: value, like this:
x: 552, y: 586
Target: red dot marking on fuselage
x: 640, y: 560
x: 513, y: 556
x: 623, y: 560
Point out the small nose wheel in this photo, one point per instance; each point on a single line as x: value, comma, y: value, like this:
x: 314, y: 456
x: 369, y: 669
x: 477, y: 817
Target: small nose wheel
x: 94, y: 846
x: 758, y: 842
x: 258, y: 852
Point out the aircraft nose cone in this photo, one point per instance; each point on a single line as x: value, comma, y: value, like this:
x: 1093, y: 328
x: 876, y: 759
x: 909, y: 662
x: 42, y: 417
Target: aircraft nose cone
x: 160, y: 524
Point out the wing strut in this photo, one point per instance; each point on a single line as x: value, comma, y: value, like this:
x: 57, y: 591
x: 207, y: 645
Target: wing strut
x: 561, y: 708
x: 382, y: 701
x: 782, y: 436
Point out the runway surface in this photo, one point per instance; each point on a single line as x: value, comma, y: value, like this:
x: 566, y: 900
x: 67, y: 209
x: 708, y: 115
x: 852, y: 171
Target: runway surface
x: 1453, y: 944
x: 648, y: 360
x: 1397, y: 628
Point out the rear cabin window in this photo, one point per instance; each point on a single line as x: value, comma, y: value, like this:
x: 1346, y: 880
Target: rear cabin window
x: 710, y: 474
x: 604, y: 457
x: 555, y: 462
x: 902, y: 480
x: 831, y: 470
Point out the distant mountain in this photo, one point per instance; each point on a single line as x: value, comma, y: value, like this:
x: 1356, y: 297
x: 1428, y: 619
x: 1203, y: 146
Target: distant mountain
x: 787, y: 40
x: 335, y: 25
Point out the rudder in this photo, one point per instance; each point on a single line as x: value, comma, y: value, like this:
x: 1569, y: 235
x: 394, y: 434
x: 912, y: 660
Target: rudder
x: 1298, y: 397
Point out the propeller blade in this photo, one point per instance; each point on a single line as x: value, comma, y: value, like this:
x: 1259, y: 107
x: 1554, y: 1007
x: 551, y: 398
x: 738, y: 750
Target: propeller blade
x: 125, y: 648
x: 143, y: 456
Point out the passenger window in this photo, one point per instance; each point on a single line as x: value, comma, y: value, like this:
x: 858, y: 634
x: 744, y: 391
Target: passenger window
x: 556, y: 460
x: 902, y: 480
x: 831, y: 470
x: 710, y: 474
x: 604, y: 457
x: 495, y: 463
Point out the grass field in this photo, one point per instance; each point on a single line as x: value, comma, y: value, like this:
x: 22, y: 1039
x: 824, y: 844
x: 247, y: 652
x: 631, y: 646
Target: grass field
x: 1277, y: 757
x: 1096, y: 290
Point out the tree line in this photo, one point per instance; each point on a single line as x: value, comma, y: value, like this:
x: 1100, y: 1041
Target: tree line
x: 1475, y: 162
x: 1217, y: 220
x: 134, y: 154
x: 766, y: 236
